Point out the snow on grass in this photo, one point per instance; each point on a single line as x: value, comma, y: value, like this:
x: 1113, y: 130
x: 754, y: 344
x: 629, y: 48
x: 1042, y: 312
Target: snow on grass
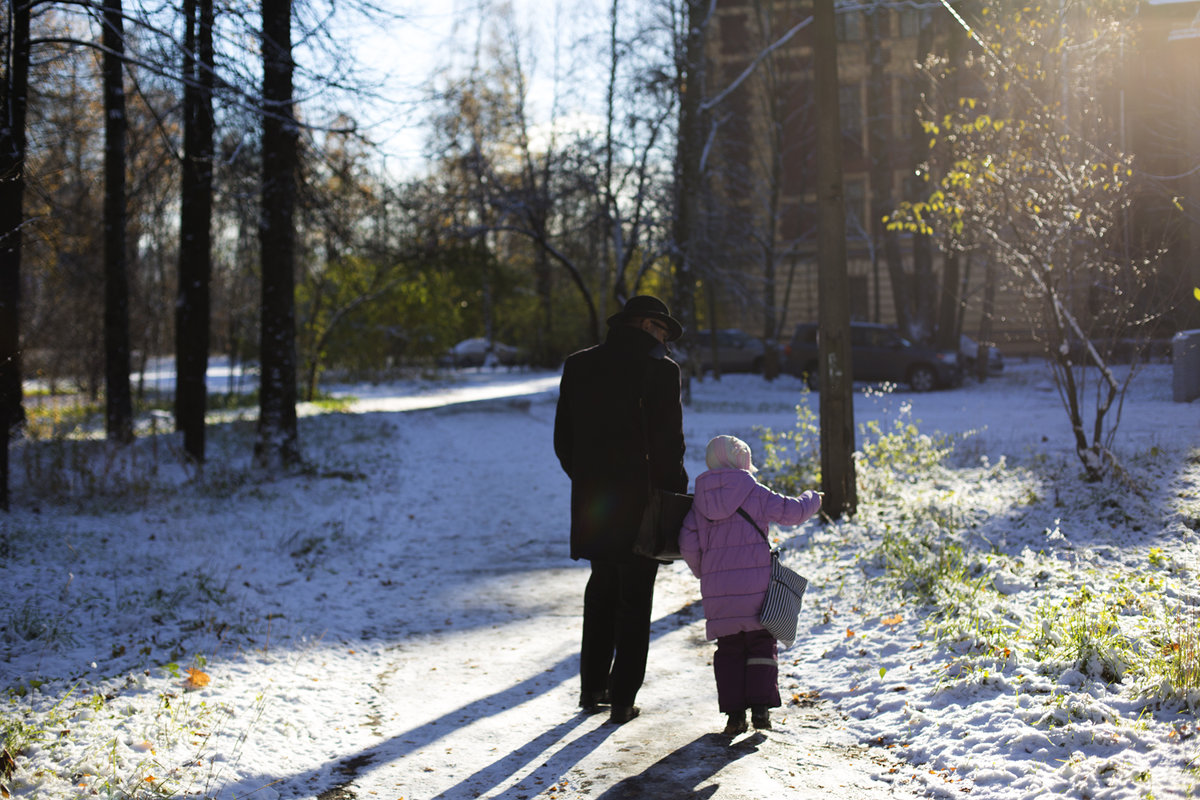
x: 988, y: 618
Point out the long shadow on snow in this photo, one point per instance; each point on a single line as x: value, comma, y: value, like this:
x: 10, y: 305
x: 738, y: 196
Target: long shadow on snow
x: 404, y: 744
x: 546, y: 775
x: 678, y: 775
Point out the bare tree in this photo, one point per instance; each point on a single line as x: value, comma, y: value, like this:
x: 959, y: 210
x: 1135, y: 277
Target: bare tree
x: 192, y: 309
x: 837, y: 384
x: 118, y: 398
x: 691, y: 185
x: 1026, y: 182
x: 768, y: 147
x: 277, y: 445
x: 14, y: 84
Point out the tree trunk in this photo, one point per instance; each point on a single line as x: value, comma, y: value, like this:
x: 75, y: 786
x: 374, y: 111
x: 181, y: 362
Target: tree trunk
x: 906, y: 288
x: 689, y: 180
x: 192, y: 313
x: 277, y: 445
x: 838, y: 478
x: 118, y: 399
x: 771, y: 322
x: 13, y: 96
x: 879, y: 125
x: 947, y: 326
x: 985, y: 319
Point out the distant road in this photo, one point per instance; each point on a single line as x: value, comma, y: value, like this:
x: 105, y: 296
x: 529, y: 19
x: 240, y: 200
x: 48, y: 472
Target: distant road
x: 489, y: 387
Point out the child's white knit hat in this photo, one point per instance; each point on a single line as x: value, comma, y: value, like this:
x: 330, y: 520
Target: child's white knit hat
x: 728, y: 452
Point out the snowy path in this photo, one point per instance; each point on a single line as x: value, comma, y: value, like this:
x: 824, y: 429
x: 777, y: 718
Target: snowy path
x: 450, y: 736
x: 466, y: 675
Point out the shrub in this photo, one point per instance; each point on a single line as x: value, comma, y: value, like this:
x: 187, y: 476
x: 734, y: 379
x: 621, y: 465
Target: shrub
x: 791, y: 460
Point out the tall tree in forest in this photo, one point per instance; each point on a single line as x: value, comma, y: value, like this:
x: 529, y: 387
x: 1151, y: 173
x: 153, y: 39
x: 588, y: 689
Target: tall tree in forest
x: 690, y: 183
x: 784, y: 111
x: 192, y: 313
x: 838, y: 478
x: 949, y: 313
x: 118, y: 399
x: 880, y: 127
x: 14, y: 84
x: 277, y: 444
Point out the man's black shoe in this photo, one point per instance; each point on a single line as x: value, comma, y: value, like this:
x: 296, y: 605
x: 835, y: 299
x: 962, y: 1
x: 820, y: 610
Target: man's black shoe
x: 591, y: 702
x: 622, y: 714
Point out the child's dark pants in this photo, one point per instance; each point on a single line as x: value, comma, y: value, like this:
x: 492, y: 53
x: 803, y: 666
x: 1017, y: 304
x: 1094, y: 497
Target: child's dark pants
x: 747, y: 672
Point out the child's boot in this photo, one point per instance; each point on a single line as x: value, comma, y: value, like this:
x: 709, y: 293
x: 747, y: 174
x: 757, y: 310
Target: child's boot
x: 736, y: 724
x: 760, y: 716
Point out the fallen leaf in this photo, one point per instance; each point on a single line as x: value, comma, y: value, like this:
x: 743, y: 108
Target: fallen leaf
x: 849, y: 633
x: 896, y: 620
x: 196, y: 679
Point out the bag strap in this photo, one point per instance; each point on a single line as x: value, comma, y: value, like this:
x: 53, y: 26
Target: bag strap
x: 746, y: 515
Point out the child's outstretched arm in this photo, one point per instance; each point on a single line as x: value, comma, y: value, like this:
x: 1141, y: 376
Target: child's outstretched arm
x: 793, y: 510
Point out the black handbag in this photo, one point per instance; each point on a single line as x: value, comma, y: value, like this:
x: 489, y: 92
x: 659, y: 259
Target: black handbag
x: 658, y: 534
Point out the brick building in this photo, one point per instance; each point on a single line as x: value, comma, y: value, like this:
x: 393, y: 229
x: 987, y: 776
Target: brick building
x: 765, y: 161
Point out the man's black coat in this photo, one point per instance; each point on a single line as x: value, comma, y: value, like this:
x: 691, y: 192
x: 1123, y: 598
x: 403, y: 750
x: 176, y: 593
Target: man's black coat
x: 600, y: 441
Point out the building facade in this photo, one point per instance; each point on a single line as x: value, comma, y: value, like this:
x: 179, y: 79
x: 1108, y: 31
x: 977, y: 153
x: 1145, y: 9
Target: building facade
x: 763, y: 169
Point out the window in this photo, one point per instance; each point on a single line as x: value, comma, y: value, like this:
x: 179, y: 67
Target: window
x: 850, y: 26
x: 855, y: 195
x: 850, y: 110
x: 860, y: 297
x: 915, y: 188
x: 910, y: 22
x: 906, y: 106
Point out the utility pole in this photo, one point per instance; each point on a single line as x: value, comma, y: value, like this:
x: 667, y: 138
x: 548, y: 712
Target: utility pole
x: 836, y: 377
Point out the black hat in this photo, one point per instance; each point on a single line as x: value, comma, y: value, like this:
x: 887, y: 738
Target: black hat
x: 643, y: 306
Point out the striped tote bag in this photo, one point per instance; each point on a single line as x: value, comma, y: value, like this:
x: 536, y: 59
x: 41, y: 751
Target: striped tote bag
x: 784, y: 594
x: 782, y: 604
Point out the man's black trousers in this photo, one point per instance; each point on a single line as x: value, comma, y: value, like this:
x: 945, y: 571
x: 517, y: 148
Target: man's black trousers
x: 616, y: 628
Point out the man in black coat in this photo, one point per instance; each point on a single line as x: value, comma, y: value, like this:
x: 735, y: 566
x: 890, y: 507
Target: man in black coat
x: 619, y: 427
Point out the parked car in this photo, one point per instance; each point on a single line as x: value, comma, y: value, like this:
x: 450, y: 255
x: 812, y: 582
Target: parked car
x: 878, y: 353
x: 480, y: 352
x: 737, y: 351
x: 1119, y: 350
x: 968, y: 355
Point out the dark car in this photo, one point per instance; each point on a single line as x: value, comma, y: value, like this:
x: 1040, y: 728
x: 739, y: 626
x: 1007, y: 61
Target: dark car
x: 968, y: 356
x: 878, y: 353
x: 737, y: 351
x: 480, y: 353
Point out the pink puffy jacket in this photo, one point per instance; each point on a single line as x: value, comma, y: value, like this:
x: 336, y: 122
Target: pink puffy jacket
x: 724, y: 551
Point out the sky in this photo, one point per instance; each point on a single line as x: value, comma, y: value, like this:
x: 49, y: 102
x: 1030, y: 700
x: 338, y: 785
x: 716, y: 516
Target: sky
x: 403, y: 55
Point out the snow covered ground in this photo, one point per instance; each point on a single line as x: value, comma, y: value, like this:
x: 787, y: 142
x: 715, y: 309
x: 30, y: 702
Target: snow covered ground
x: 401, y: 620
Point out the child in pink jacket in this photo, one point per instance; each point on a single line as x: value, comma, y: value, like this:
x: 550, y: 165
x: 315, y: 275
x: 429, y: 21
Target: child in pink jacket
x: 733, y: 563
